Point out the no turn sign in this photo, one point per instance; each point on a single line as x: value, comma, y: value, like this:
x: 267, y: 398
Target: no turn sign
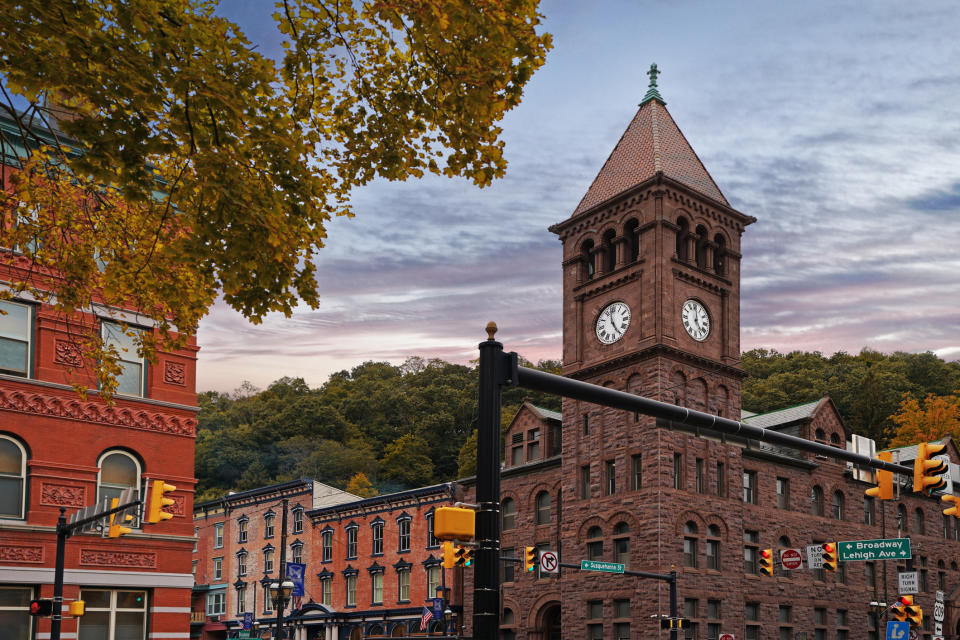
x: 727, y: 636
x: 791, y: 559
x: 549, y: 563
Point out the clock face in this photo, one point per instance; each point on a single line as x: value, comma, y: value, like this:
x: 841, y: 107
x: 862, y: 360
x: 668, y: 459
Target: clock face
x: 696, y: 320
x: 613, y: 322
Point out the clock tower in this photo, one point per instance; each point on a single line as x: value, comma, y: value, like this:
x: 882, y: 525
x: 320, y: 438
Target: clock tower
x: 651, y: 306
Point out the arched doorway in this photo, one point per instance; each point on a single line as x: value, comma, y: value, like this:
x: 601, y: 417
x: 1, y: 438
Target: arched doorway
x: 550, y: 623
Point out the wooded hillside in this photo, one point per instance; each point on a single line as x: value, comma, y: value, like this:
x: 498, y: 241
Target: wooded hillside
x: 404, y: 426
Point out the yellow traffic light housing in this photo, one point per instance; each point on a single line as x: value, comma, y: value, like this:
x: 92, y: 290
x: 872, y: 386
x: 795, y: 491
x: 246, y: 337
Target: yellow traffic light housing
x: 464, y: 556
x: 454, y: 523
x: 529, y: 558
x: 449, y: 555
x: 926, y: 471
x: 954, y: 508
x: 115, y: 529
x: 884, y: 488
x: 766, y: 562
x: 830, y: 556
x: 158, y: 501
x: 900, y: 608
x: 912, y: 613
x: 76, y: 608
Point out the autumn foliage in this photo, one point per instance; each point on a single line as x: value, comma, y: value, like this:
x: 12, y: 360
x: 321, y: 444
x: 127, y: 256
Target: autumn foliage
x: 927, y: 419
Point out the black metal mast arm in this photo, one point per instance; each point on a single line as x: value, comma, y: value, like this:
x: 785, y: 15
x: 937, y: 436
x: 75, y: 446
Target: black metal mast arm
x: 578, y: 390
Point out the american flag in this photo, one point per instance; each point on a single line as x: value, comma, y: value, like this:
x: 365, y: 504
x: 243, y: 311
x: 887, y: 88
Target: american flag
x: 425, y: 618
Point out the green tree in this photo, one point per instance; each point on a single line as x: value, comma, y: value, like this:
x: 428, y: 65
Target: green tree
x: 406, y: 461
x: 195, y: 167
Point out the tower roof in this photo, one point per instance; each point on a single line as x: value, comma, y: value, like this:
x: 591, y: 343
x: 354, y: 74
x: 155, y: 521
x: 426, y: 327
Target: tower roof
x: 652, y: 143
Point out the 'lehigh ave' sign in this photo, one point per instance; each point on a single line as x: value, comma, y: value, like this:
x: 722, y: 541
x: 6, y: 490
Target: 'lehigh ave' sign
x: 892, y: 549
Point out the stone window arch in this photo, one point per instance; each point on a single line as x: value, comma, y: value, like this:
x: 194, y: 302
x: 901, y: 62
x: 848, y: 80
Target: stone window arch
x: 713, y: 547
x: 621, y: 543
x: 117, y: 470
x: 837, y: 505
x: 543, y: 507
x: 820, y: 436
x: 816, y: 500
x: 835, y: 439
x: 690, y: 544
x: 13, y: 477
x: 508, y: 510
x: 632, y: 235
x: 594, y: 543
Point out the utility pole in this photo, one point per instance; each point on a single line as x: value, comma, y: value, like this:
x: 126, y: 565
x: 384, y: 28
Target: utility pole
x: 281, y: 600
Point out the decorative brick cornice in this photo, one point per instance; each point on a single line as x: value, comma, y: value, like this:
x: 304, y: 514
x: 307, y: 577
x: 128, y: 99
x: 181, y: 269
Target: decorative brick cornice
x: 96, y: 412
x: 60, y: 495
x: 96, y: 557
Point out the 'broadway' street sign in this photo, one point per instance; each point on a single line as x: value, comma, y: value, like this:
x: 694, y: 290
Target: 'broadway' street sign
x: 892, y: 549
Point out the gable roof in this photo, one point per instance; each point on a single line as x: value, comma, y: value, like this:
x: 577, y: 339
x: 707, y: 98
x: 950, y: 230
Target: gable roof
x: 652, y: 143
x: 781, y: 416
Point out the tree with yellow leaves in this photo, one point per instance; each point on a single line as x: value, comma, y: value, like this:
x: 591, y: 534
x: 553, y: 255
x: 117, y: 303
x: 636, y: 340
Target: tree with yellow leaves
x: 360, y: 485
x: 926, y: 420
x: 164, y: 161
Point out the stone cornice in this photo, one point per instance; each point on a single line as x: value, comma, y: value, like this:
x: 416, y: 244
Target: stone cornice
x: 656, y: 350
x: 605, y: 281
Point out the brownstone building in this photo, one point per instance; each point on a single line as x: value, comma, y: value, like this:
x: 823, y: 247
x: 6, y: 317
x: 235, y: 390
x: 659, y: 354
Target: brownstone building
x: 651, y: 304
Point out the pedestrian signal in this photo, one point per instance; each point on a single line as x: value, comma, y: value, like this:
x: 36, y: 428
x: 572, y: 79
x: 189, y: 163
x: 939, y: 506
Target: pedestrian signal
x: 41, y: 607
x: 766, y: 562
x: 830, y: 556
x: 530, y: 560
x: 926, y: 471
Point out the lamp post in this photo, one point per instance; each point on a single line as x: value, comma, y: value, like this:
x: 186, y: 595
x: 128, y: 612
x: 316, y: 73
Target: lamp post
x: 279, y: 590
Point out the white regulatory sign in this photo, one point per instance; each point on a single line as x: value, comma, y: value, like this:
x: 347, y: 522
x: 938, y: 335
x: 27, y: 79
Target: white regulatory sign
x: 549, y: 562
x: 815, y: 556
x: 908, y: 583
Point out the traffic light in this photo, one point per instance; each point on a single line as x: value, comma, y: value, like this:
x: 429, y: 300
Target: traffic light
x: 158, y: 501
x: 454, y: 523
x: 41, y: 607
x: 76, y: 608
x: 766, y: 562
x: 954, y: 509
x: 899, y: 608
x: 926, y: 472
x: 884, y: 488
x: 449, y: 555
x: 830, y: 556
x: 530, y: 560
x: 914, y: 614
x: 116, y: 529
x: 464, y: 556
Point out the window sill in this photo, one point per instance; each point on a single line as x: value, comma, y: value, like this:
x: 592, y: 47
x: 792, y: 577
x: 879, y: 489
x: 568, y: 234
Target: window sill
x: 403, y: 602
x: 403, y: 550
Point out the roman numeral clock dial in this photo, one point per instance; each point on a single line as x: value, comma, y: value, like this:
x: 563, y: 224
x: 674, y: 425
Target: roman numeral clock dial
x: 696, y: 320
x: 612, y: 322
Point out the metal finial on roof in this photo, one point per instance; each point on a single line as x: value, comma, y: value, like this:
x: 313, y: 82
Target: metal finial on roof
x: 652, y: 93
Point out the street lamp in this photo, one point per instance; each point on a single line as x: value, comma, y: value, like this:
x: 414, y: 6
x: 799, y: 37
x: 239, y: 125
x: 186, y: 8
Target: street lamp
x: 280, y: 594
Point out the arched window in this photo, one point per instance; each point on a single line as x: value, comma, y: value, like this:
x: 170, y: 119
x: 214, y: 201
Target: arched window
x: 953, y: 566
x: 633, y: 239
x: 838, y: 505
x: 13, y: 477
x: 819, y: 434
x: 118, y: 471
x: 713, y: 547
x: 509, y: 510
x: 719, y: 254
x: 835, y: 439
x: 621, y: 543
x: 690, y: 545
x: 595, y: 543
x: 586, y: 253
x: 543, y: 507
x: 816, y: 501
x: 683, y: 231
x: 609, y: 251
x: 918, y: 521
x: 375, y: 630
x: 507, y: 620
x: 901, y: 520
x: 701, y: 247
x: 356, y: 634
x: 398, y: 631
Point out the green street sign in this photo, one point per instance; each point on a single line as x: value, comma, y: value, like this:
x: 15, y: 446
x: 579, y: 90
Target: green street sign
x: 608, y: 567
x: 891, y: 549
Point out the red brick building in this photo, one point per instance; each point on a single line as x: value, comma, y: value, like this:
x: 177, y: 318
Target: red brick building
x: 237, y: 555
x: 59, y: 450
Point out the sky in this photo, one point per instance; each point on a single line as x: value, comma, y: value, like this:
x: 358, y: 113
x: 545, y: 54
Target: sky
x: 835, y: 124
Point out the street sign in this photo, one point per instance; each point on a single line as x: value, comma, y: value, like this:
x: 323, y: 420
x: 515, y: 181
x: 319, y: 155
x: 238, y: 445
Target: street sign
x: 791, y: 558
x: 815, y: 556
x: 294, y: 572
x: 891, y: 549
x: 908, y: 583
x: 607, y: 567
x: 897, y: 630
x: 727, y: 636
x: 938, y: 616
x: 549, y: 562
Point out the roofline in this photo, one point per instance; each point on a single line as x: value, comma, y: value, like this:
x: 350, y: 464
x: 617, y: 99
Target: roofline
x: 449, y: 487
x: 757, y: 415
x: 656, y: 179
x: 230, y: 497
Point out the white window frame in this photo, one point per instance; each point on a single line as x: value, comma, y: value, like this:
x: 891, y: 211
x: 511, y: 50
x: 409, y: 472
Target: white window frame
x: 242, y: 530
x: 269, y: 527
x: 241, y: 564
x: 351, y: 590
x: 403, y: 584
x: 124, y: 356
x: 326, y: 590
x: 22, y: 499
x: 113, y: 609
x: 268, y: 560
x: 296, y: 553
x: 433, y: 580
x: 136, y: 487
x: 376, y: 584
x: 217, y: 602
x: 218, y: 568
x: 241, y: 600
x: 298, y: 520
x: 218, y: 535
x: 28, y: 339
x: 403, y: 534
